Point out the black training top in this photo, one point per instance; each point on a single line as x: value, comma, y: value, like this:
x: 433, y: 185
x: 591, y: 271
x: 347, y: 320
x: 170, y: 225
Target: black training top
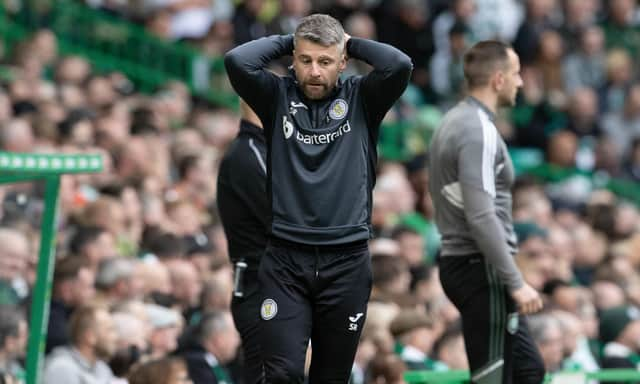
x: 321, y: 154
x: 241, y: 194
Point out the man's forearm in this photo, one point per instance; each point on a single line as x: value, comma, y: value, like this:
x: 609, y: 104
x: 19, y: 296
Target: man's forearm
x: 489, y: 236
x: 246, y: 65
x: 382, y: 57
x: 388, y: 80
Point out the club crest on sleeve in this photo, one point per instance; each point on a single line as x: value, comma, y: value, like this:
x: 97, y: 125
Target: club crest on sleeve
x: 269, y: 309
x: 338, y: 109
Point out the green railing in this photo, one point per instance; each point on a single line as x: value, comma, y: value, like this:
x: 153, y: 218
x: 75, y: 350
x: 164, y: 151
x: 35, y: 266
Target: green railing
x: 460, y: 377
x: 111, y: 43
x: 19, y: 167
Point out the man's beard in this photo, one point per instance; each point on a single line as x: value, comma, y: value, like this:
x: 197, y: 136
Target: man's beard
x: 102, y: 352
x: 506, y: 101
x: 319, y: 93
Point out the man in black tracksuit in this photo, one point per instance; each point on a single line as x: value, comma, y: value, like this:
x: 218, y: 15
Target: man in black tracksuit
x: 321, y: 132
x: 243, y: 207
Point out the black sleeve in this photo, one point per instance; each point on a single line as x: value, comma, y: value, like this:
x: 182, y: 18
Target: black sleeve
x: 390, y: 76
x: 199, y: 371
x: 246, y: 67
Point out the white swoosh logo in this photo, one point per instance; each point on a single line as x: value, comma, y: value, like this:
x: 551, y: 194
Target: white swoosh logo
x: 298, y: 105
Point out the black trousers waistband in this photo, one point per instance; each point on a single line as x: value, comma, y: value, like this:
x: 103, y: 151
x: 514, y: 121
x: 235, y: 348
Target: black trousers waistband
x: 359, y: 245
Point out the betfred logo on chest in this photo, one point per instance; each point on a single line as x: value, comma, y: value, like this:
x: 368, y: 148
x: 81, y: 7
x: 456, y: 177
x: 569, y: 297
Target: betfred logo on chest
x: 314, y: 139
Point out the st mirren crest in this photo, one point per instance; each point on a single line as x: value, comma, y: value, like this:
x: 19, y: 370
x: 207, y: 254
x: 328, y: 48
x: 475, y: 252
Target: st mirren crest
x: 338, y: 109
x: 287, y: 127
x: 269, y: 309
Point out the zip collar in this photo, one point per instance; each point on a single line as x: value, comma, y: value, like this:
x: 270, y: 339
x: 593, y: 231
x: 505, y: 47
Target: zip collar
x: 472, y: 100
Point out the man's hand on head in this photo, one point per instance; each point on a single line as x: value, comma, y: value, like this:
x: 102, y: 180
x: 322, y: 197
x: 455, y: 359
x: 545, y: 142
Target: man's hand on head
x: 346, y: 39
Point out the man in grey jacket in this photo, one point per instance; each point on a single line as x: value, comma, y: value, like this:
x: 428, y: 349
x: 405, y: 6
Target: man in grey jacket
x: 470, y: 180
x: 93, y: 342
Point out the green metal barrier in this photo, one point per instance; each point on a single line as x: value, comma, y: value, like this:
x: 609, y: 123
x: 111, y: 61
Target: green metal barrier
x: 111, y: 43
x: 459, y: 377
x: 22, y: 167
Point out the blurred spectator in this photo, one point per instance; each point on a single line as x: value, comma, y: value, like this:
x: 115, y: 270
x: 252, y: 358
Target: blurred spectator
x: 547, y: 334
x: 450, y: 350
x: 246, y: 24
x: 155, y: 281
x: 364, y: 354
x: 387, y: 368
x: 187, y: 287
x: 579, y: 16
x: 92, y: 339
x: 537, y: 21
x: 583, y: 112
x: 619, y: 333
x: 535, y: 117
x: 15, y: 255
x: 562, y: 149
x: 216, y: 342
x: 13, y: 342
x: 549, y: 60
x: 606, y: 157
x: 534, y: 257
x: 131, y: 345
x: 415, y: 338
x: 632, y: 166
x: 195, y: 182
x: 407, y: 29
x: 166, y: 247
x: 93, y: 244
x: 447, y: 78
x: 497, y: 19
x: 585, y: 67
x: 162, y: 371
x: 624, y: 126
x: 412, y: 247
x: 619, y: 70
x: 607, y: 294
x: 107, y: 213
x: 17, y: 136
x: 166, y: 325
x: 73, y: 286
x: 359, y: 24
x: 576, y: 351
x: 286, y: 21
x: 390, y: 276
x: 72, y: 70
x: 591, y: 249
x: 116, y: 281
x: 460, y: 12
x: 622, y: 26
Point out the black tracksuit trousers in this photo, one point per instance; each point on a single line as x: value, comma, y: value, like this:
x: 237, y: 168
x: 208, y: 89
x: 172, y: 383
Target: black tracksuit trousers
x: 499, y: 347
x: 318, y: 293
x: 246, y: 316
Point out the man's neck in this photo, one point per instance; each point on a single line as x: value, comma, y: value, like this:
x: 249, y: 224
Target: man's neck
x: 4, y: 361
x: 87, y: 353
x: 486, y: 97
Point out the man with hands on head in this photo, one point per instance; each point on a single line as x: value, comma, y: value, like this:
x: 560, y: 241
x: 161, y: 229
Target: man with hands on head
x: 321, y: 133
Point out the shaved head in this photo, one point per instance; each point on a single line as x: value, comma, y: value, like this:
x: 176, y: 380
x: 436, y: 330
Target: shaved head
x: 483, y: 60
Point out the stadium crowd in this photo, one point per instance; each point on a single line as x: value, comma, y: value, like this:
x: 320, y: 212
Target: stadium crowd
x: 142, y: 283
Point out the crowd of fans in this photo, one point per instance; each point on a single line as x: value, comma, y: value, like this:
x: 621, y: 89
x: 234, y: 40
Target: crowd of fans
x: 142, y: 283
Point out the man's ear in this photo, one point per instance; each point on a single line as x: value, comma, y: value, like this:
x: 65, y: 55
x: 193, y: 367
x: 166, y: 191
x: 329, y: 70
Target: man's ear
x: 343, y: 62
x: 90, y: 336
x: 498, y: 80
